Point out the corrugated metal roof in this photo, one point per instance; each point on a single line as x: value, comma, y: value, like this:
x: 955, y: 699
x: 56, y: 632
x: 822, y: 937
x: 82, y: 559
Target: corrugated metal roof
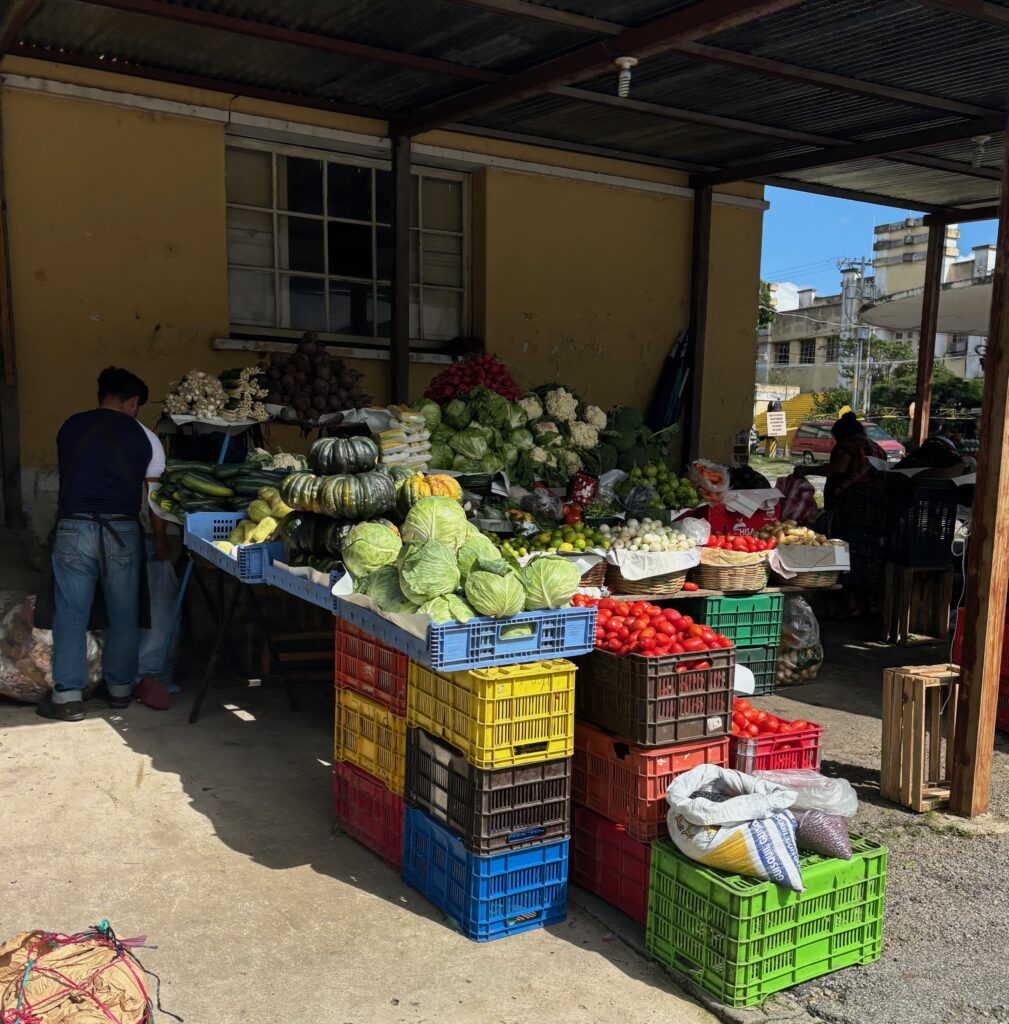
x: 897, y: 43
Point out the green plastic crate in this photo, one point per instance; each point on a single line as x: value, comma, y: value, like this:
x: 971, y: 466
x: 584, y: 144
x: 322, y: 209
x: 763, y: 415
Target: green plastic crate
x: 744, y: 620
x: 762, y: 661
x: 742, y: 939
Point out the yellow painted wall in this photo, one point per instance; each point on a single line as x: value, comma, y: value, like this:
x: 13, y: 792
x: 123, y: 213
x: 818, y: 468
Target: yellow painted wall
x: 118, y: 253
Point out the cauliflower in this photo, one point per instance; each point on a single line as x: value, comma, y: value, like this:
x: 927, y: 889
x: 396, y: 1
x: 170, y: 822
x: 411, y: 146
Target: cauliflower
x: 594, y: 417
x: 571, y: 461
x: 547, y: 433
x: 551, y: 461
x: 539, y: 455
x: 584, y: 436
x: 284, y: 460
x: 562, y: 405
x: 532, y: 407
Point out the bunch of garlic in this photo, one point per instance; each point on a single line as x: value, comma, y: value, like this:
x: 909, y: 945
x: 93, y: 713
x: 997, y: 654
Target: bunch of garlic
x: 197, y: 394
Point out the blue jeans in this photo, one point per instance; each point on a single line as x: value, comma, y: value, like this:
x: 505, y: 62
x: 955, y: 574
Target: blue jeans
x: 77, y: 570
x: 163, y: 587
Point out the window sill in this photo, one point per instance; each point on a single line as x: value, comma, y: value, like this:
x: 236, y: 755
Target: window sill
x: 347, y: 350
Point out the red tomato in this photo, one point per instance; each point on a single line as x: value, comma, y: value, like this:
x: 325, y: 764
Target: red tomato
x: 613, y: 644
x: 738, y: 720
x: 685, y: 621
x: 623, y: 632
x: 608, y: 604
x: 750, y: 714
x: 723, y: 642
x: 689, y: 586
x: 675, y: 648
x: 600, y: 632
x: 623, y: 608
x: 672, y: 614
x: 771, y: 724
x: 639, y: 623
x: 700, y: 665
x: 760, y: 716
x: 663, y: 641
x: 707, y: 635
x: 772, y: 542
x: 695, y: 630
x: 647, y: 643
x: 682, y: 667
x: 648, y: 633
x: 752, y: 730
x: 799, y: 724
x: 694, y: 644
x: 741, y: 703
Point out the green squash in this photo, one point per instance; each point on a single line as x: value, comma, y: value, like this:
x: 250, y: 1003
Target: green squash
x: 330, y: 455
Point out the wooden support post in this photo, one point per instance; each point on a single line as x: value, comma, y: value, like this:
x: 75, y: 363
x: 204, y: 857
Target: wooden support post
x: 399, y: 377
x: 987, y: 553
x: 926, y: 338
x: 700, y: 259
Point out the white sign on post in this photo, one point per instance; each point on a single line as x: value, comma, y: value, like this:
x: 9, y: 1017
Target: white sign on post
x: 777, y: 425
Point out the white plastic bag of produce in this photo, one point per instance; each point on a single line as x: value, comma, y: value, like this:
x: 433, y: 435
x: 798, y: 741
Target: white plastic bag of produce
x: 801, y: 653
x: 813, y: 791
x: 734, y: 822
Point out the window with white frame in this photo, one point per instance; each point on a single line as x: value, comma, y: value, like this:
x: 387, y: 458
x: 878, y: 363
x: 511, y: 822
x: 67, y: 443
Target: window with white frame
x: 807, y: 351
x: 310, y: 246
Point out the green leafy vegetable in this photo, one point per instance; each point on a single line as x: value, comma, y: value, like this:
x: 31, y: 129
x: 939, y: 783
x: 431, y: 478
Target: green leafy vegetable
x: 436, y: 518
x: 476, y: 549
x: 491, y: 463
x: 383, y: 588
x: 470, y: 443
x: 441, y: 456
x: 457, y: 414
x: 449, y: 608
x: 463, y: 465
x: 522, y: 439
x: 427, y: 569
x: 549, y: 582
x: 369, y: 547
x: 430, y: 410
x: 494, y: 595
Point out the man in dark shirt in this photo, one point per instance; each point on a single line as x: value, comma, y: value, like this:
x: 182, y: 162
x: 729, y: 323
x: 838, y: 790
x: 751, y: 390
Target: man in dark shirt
x: 105, y: 455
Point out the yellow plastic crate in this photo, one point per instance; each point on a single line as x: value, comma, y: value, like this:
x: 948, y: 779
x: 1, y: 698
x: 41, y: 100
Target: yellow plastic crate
x: 372, y: 737
x: 498, y: 717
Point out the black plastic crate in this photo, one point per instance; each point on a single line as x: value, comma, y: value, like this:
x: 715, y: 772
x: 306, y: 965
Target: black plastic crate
x: 920, y: 521
x: 491, y: 810
x: 657, y: 701
x: 762, y: 661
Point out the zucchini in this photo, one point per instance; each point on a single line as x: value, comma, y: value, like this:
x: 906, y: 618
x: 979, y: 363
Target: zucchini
x: 227, y: 470
x: 204, y: 485
x: 185, y: 465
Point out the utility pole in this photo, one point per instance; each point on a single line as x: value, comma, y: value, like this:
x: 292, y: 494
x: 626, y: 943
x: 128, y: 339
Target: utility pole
x: 852, y: 294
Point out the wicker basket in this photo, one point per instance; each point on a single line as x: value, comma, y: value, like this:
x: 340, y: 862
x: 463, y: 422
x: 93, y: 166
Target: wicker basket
x: 595, y: 577
x: 810, y: 580
x: 663, y: 585
x: 728, y: 578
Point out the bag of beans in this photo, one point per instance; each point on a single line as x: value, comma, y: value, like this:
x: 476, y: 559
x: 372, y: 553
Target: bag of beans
x: 826, y: 834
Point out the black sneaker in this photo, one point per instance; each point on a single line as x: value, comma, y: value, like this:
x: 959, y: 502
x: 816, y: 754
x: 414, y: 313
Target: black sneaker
x: 71, y: 711
x: 118, y: 703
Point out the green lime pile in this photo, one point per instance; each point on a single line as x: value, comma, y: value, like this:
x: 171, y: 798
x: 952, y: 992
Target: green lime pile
x: 561, y: 539
x: 671, y: 490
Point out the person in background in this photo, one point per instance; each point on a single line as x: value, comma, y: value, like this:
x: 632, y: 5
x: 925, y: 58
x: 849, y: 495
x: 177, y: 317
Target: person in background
x: 854, y: 502
x: 938, y: 458
x: 105, y: 455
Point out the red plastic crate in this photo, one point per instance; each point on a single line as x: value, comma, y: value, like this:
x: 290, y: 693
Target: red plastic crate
x: 778, y: 750
x: 1002, y: 708
x: 628, y: 784
x: 367, y: 811
x: 607, y: 861
x: 957, y: 654
x: 370, y: 667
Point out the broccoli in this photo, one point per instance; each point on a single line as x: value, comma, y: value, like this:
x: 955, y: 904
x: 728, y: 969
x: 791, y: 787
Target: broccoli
x: 604, y: 457
x: 625, y: 419
x: 627, y: 460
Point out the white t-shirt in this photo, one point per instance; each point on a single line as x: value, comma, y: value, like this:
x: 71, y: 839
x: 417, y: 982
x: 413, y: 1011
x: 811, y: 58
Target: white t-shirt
x: 157, y: 464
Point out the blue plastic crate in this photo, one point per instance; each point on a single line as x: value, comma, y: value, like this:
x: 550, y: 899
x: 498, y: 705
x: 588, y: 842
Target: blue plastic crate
x: 302, y: 586
x: 483, y: 642
x: 250, y: 561
x: 485, y: 897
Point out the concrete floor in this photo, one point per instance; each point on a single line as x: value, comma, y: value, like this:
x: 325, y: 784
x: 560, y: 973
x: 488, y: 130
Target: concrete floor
x: 214, y: 840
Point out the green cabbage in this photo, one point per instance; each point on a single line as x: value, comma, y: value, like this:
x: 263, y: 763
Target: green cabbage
x: 463, y: 465
x: 427, y: 569
x: 442, y: 434
x: 476, y: 549
x: 549, y: 582
x: 457, y: 414
x: 449, y: 608
x: 509, y: 453
x: 470, y: 443
x: 383, y: 588
x: 522, y: 439
x: 369, y: 547
x: 441, y: 456
x: 436, y: 518
x: 494, y: 595
x: 430, y: 410
x: 491, y: 463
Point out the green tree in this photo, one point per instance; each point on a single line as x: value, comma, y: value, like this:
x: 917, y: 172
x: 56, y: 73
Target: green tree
x: 765, y: 307
x: 880, y: 359
x: 948, y: 390
x: 830, y: 401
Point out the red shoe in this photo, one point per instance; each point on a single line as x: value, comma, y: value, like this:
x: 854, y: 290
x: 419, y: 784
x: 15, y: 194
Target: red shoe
x: 153, y: 692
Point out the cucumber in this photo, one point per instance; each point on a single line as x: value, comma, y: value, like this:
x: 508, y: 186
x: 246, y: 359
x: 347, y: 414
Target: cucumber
x: 199, y: 505
x: 185, y: 465
x: 205, y: 485
x: 228, y: 470
x: 244, y: 487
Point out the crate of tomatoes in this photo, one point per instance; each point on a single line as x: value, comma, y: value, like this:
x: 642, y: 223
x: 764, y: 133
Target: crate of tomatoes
x: 761, y: 741
x: 656, y: 677
x: 745, y: 543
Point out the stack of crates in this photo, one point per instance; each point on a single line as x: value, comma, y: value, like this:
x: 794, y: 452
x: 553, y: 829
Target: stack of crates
x: 640, y: 723
x: 488, y: 793
x: 753, y: 624
x: 369, y: 758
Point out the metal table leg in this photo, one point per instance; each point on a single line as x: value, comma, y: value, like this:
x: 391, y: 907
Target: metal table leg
x: 229, y: 614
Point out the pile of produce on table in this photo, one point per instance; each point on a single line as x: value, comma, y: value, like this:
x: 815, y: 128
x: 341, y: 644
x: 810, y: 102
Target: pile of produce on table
x: 235, y: 395
x: 647, y: 535
x: 643, y: 628
x: 569, y: 539
x: 565, y: 434
x: 312, y: 382
x: 790, y: 532
x: 626, y: 442
x: 202, y: 487
x: 744, y: 543
x: 478, y: 370
x: 748, y: 721
x: 657, y: 486
x: 266, y: 513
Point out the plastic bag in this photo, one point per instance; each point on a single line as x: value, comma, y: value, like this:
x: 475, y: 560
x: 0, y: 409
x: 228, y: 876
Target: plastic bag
x: 801, y: 653
x: 799, y: 502
x: 750, y: 833
x: 826, y: 834
x: 710, y: 480
x: 698, y: 530
x: 544, y: 505
x: 814, y: 792
x: 638, y: 499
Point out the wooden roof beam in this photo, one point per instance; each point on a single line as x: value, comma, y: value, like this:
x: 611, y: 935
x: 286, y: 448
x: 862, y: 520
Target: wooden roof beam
x: 877, y: 199
x: 657, y: 36
x: 13, y: 20
x: 544, y: 15
x: 966, y: 216
x: 977, y: 10
x: 891, y: 145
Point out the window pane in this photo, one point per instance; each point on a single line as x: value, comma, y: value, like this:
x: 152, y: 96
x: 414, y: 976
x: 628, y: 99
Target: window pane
x: 349, y: 191
x: 414, y: 257
x: 349, y: 249
x: 350, y: 308
x: 383, y: 255
x: 250, y: 238
x: 299, y: 184
x: 300, y: 245
x: 414, y: 215
x: 443, y: 260
x: 304, y: 303
x: 383, y: 197
x: 442, y: 314
x: 250, y: 293
x: 248, y: 177
x: 383, y: 327
x: 442, y: 204
x: 414, y: 312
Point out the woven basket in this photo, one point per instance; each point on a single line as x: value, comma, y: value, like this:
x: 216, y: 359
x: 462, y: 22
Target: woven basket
x: 732, y: 577
x: 809, y: 580
x: 665, y: 584
x: 595, y: 576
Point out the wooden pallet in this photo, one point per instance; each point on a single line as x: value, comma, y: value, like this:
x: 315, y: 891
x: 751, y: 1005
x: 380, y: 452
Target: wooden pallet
x: 919, y: 720
x: 916, y: 604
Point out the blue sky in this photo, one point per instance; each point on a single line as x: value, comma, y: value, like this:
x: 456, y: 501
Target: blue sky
x: 805, y: 235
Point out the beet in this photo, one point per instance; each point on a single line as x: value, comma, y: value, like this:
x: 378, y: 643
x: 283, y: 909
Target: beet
x: 324, y: 372
x: 301, y: 377
x: 274, y: 398
x: 301, y: 403
x: 278, y: 358
x: 287, y: 383
x: 301, y: 361
x: 312, y: 414
x: 320, y: 387
x: 320, y: 403
x: 343, y: 394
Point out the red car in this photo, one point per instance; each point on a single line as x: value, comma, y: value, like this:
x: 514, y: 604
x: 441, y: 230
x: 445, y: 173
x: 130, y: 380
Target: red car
x: 814, y: 441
